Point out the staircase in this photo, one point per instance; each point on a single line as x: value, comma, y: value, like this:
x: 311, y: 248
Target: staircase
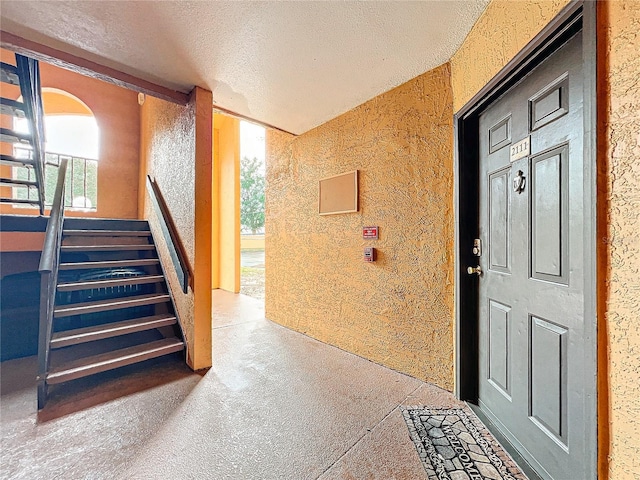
x: 22, y: 79
x: 112, y: 303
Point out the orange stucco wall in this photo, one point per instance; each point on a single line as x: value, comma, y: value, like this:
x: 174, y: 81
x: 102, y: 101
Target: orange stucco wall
x: 20, y: 242
x: 226, y: 251
x: 397, y: 311
x: 58, y: 102
x: 176, y: 151
x: 619, y: 213
x: 500, y: 33
x: 118, y: 116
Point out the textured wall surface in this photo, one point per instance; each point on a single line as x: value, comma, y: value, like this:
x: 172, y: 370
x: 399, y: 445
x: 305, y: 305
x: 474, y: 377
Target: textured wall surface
x: 619, y: 201
x: 170, y: 142
x: 397, y: 311
x: 203, y: 212
x: 168, y: 139
x: 504, y: 28
x: 118, y: 115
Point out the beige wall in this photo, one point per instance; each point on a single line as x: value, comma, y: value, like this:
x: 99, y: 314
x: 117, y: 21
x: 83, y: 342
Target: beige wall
x: 118, y: 115
x: 176, y: 146
x: 397, y: 311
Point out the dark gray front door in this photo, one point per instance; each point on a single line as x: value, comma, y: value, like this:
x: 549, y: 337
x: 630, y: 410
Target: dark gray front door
x: 533, y: 383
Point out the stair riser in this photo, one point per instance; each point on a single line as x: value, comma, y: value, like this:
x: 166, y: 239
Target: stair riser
x: 105, y: 233
x: 107, y: 294
x: 92, y: 285
x: 106, y: 248
x: 104, y: 241
x: 108, y: 264
x: 108, y: 256
x: 70, y: 311
x: 109, y: 333
x: 84, y: 371
x: 84, y: 223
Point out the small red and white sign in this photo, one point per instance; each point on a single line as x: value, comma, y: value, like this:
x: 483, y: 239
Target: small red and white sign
x: 370, y: 233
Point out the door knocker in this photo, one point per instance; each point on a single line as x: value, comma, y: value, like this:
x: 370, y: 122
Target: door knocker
x: 519, y: 182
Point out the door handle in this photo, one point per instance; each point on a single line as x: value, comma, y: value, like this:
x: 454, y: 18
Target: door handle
x: 474, y: 270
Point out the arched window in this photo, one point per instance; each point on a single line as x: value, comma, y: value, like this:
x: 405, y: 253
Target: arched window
x: 71, y: 132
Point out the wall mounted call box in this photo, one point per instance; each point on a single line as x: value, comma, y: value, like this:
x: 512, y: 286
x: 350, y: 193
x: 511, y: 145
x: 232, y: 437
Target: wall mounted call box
x: 369, y: 254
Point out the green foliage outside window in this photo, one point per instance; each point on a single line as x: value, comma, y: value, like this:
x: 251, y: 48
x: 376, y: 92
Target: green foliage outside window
x: 81, y: 189
x: 251, y: 195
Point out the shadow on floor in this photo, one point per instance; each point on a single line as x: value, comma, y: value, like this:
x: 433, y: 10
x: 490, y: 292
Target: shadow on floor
x: 276, y: 405
x: 18, y: 378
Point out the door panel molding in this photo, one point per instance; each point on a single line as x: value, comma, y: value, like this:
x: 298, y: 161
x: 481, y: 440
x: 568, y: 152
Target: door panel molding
x: 499, y: 225
x: 547, y: 377
x: 550, y: 103
x: 549, y: 245
x: 499, y: 357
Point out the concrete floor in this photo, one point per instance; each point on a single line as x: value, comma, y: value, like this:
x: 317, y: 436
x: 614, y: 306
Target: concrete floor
x: 276, y: 405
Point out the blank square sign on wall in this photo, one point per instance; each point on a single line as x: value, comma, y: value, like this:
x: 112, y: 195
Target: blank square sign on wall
x: 338, y: 194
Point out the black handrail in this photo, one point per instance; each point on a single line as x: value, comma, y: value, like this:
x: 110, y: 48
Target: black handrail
x: 171, y: 236
x: 49, y: 263
x: 29, y: 75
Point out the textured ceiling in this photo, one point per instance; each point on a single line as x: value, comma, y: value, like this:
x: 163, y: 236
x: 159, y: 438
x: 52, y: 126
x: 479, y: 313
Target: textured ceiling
x: 293, y: 65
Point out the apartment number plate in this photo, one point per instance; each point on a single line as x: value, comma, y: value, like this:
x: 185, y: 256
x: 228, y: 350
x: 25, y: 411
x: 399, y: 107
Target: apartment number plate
x: 521, y: 149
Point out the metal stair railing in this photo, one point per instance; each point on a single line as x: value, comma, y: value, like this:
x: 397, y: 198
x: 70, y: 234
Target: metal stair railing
x: 29, y: 75
x: 49, y: 263
x: 80, y: 185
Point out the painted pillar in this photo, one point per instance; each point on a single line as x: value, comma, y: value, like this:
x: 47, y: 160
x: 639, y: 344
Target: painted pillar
x: 226, y: 224
x: 201, y: 352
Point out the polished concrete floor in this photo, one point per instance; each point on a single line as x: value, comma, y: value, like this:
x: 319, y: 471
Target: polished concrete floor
x: 275, y: 405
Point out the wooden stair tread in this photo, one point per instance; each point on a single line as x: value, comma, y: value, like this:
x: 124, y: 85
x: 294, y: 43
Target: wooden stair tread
x: 105, y: 248
x: 107, y: 233
x: 11, y: 160
x: 14, y: 182
x: 12, y: 107
x: 114, y: 282
x: 19, y: 200
x: 83, y: 367
x: 9, y: 74
x: 9, y: 135
x: 140, y: 262
x: 110, y: 304
x: 99, y: 332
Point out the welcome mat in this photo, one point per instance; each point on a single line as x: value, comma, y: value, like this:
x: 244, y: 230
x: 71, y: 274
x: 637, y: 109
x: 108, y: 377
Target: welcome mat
x: 454, y: 445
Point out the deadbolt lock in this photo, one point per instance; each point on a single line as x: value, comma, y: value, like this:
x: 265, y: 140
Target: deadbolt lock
x: 474, y: 270
x: 477, y: 247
